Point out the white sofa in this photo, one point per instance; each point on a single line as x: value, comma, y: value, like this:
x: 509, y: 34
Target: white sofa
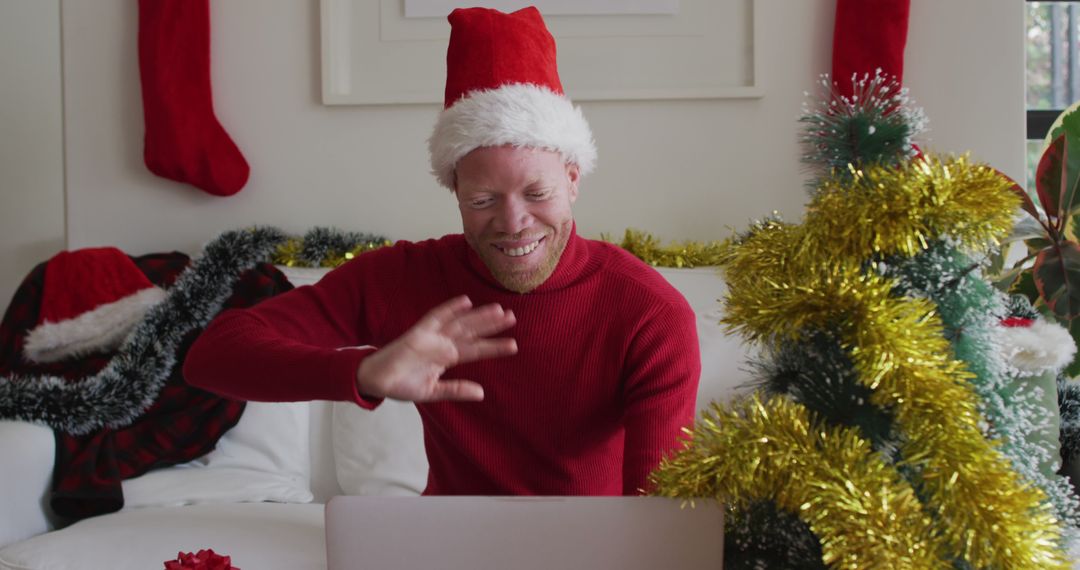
x: 259, y: 496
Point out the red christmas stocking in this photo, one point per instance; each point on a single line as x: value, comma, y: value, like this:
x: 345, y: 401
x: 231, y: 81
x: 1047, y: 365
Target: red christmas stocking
x: 869, y: 34
x: 184, y: 140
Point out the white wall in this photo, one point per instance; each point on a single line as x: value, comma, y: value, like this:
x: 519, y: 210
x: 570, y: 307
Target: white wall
x: 679, y: 169
x: 31, y: 139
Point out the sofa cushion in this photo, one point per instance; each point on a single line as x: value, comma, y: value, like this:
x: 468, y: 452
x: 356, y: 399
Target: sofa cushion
x: 256, y: 536
x: 27, y: 450
x: 380, y: 451
x: 724, y: 372
x: 263, y: 458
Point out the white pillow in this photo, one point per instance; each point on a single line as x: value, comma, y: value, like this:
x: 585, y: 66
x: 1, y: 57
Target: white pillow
x: 380, y: 451
x: 263, y: 458
x: 376, y: 452
x: 303, y: 275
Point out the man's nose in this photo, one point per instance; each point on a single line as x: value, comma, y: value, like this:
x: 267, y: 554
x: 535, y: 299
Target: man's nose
x: 513, y: 217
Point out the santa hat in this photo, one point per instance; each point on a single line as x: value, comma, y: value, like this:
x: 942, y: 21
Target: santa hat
x: 1034, y: 346
x: 503, y: 88
x: 91, y: 299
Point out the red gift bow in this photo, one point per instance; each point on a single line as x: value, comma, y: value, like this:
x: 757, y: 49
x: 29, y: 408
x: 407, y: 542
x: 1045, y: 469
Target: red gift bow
x: 202, y: 560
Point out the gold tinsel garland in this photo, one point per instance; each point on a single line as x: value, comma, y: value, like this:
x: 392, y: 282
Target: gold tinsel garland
x: 897, y: 211
x: 681, y: 254
x: 785, y: 280
x: 642, y: 245
x: 289, y: 253
x: 839, y: 492
x: 897, y: 348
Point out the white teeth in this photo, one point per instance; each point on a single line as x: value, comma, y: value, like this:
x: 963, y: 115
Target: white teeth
x: 520, y: 251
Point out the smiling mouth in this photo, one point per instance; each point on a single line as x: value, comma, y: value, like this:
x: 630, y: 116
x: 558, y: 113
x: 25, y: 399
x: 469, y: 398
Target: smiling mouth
x: 519, y: 251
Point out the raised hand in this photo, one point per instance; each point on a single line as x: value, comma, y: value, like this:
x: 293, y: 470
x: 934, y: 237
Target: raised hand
x: 410, y: 368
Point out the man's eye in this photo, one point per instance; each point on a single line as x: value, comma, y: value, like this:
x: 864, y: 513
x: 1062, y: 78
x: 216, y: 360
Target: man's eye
x: 537, y: 195
x: 480, y: 203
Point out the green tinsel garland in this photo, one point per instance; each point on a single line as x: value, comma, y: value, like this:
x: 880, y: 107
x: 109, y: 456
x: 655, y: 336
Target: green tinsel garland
x: 1069, y: 404
x: 325, y: 247
x: 762, y: 536
x: 818, y: 373
x: 133, y: 378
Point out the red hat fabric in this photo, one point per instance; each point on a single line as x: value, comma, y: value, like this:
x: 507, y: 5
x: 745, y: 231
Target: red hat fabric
x: 489, y: 49
x: 503, y: 88
x: 91, y: 299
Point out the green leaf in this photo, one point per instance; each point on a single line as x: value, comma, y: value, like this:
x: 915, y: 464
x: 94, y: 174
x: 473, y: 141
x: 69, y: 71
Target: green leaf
x: 1006, y: 280
x: 1036, y: 245
x: 1057, y: 277
x: 1070, y: 197
x: 1073, y: 227
x: 997, y: 260
x: 1025, y: 229
x: 1025, y: 286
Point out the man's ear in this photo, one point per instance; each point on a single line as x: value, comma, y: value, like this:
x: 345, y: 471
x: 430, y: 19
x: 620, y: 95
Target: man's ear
x: 573, y: 176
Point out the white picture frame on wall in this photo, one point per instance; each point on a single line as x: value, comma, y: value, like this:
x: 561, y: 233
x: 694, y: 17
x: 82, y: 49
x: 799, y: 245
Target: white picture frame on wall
x: 440, y: 8
x: 372, y: 54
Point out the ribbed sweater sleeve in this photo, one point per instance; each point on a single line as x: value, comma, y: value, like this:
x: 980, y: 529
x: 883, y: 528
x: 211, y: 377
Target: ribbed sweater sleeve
x: 289, y: 348
x: 664, y: 366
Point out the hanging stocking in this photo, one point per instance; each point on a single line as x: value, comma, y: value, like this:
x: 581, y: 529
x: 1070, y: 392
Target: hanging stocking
x: 869, y: 34
x: 184, y: 140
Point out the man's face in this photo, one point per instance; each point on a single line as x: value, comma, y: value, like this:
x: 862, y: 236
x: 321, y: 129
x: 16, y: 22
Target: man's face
x: 515, y: 211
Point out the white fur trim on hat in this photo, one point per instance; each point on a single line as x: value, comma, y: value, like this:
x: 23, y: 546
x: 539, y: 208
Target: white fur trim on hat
x: 1042, y: 346
x: 102, y: 328
x: 522, y: 115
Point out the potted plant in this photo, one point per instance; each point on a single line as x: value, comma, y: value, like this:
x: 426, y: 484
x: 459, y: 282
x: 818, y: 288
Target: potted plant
x: 1049, y: 274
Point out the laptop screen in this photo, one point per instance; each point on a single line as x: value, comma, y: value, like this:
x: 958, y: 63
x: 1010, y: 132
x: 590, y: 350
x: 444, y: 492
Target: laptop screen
x: 522, y: 533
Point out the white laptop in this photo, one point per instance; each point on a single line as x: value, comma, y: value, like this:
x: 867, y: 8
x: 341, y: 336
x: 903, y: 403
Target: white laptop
x: 522, y: 533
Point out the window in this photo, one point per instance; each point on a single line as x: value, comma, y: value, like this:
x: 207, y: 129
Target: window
x: 1053, y: 69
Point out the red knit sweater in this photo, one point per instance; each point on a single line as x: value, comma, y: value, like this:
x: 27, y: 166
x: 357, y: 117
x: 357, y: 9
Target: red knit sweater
x: 604, y: 379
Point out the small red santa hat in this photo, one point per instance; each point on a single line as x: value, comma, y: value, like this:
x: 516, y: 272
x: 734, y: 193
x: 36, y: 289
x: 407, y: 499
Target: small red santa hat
x: 1035, y: 346
x: 91, y: 299
x: 503, y: 88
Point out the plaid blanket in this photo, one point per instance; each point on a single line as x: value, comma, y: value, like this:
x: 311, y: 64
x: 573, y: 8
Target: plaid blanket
x: 182, y: 424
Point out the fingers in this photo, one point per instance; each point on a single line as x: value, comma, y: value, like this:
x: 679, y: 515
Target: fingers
x: 457, y: 319
x: 457, y: 390
x: 446, y: 312
x: 486, y: 348
x: 479, y: 322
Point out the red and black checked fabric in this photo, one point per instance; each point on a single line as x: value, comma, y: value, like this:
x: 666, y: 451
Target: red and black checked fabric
x: 182, y: 424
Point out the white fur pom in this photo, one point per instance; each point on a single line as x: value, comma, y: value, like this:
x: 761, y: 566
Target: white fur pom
x: 103, y: 328
x: 522, y: 115
x: 1042, y: 346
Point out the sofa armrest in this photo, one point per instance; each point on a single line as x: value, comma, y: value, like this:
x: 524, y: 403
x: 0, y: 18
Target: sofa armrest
x: 27, y: 451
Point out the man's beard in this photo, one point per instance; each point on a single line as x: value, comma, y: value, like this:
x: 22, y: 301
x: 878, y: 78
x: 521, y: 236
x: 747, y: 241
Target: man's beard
x: 533, y: 277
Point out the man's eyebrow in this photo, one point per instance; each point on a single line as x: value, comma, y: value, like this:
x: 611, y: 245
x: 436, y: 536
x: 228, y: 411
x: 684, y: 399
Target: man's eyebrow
x: 538, y: 180
x: 477, y: 188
